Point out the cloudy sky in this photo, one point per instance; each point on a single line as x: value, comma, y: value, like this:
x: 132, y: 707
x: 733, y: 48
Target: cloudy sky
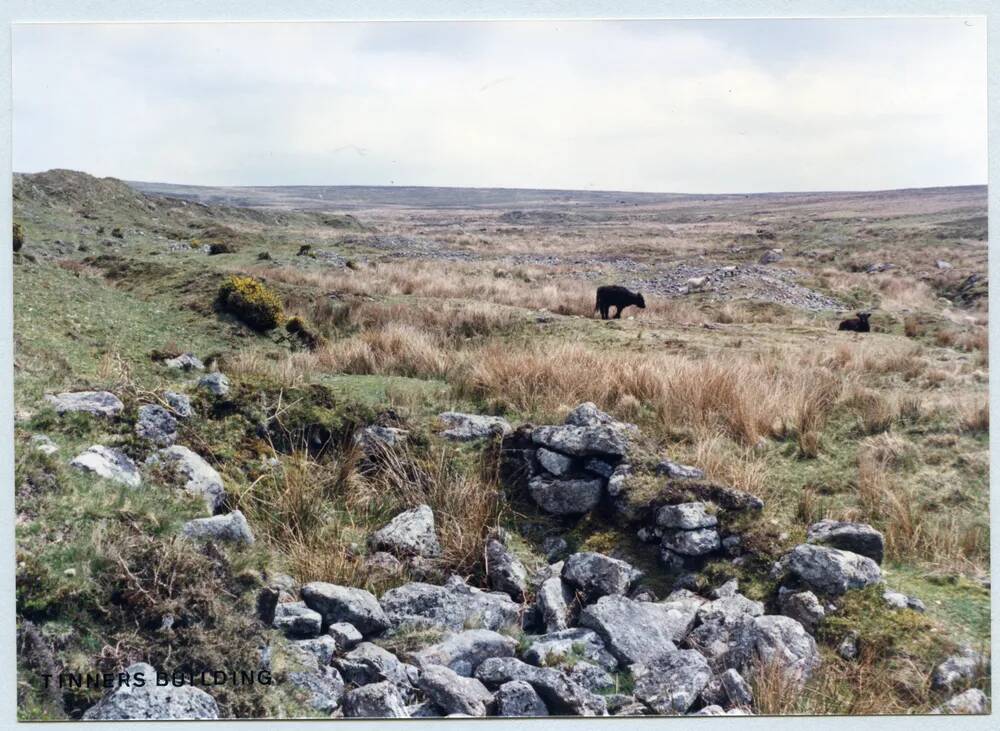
x: 681, y: 106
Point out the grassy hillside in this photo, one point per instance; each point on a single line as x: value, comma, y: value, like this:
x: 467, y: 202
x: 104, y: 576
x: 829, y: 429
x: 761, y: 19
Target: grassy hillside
x: 411, y: 311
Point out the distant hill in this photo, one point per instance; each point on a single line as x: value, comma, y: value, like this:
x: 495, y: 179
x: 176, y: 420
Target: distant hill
x: 522, y: 201
x: 80, y: 194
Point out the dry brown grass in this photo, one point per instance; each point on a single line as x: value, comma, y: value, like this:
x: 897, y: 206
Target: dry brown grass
x: 319, y: 513
x: 775, y: 690
x: 866, y: 686
x: 447, y: 281
x: 396, y: 349
x: 467, y: 506
x: 911, y: 534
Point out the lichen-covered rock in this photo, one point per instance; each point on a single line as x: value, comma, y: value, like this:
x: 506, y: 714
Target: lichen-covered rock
x: 377, y: 700
x: 565, y: 497
x: 454, y: 606
x: 727, y: 607
x: 737, y: 689
x: 411, y: 533
x: 199, y: 476
x: 972, y: 701
x: 156, y: 424
x: 467, y: 427
x: 804, y: 607
x: 152, y: 702
x: 638, y: 631
x: 185, y: 362
x: 230, y: 528
x: 848, y: 647
x: 100, y: 403
x: 553, y: 600
x: 577, y: 643
x: 686, y: 516
x: 215, y: 383
x: 505, y: 572
x: 591, y: 677
x: 897, y: 600
x: 784, y: 642
x: 317, y: 651
x: 295, y: 619
x: 831, y: 570
x: 375, y: 439
x: 518, y: 699
x: 345, y: 604
x: 323, y: 688
x: 180, y: 404
x: 858, y: 538
x: 676, y: 471
x: 698, y: 542
x: 560, y: 694
x: 462, y: 652
x: 345, y: 635
x: 111, y: 464
x: 670, y: 683
x: 595, y: 575
x: 553, y: 462
x: 582, y: 441
x: 368, y: 663
x: 455, y: 694
x: 726, y: 642
x: 957, y: 669
x: 42, y: 443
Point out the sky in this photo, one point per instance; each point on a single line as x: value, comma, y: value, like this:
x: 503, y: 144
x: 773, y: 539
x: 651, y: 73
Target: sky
x: 710, y: 106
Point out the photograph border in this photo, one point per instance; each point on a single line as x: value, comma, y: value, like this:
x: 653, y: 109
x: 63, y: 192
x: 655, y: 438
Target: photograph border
x: 148, y: 11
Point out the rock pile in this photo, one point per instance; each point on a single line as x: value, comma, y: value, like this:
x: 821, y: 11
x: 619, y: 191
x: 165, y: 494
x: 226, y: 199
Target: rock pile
x: 593, y: 462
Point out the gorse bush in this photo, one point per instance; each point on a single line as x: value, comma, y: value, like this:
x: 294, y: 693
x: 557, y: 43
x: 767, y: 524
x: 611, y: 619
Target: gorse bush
x: 18, y: 237
x: 251, y: 301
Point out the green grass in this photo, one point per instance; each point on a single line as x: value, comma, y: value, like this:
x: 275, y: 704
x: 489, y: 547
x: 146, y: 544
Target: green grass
x: 960, y: 605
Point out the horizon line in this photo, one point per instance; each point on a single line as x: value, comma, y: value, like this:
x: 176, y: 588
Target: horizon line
x: 391, y: 186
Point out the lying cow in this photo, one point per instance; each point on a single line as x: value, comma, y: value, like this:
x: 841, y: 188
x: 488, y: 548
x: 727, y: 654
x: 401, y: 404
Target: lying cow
x: 613, y: 295
x: 857, y: 324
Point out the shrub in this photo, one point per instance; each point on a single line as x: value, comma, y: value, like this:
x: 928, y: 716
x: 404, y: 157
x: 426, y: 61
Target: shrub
x: 305, y: 250
x: 214, y: 249
x: 251, y: 301
x: 18, y: 237
x: 117, y: 233
x: 264, y: 256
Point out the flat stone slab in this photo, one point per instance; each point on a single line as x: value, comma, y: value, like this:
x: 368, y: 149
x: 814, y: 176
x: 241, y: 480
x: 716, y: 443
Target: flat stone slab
x: 230, y: 528
x: 111, y: 464
x: 467, y: 427
x: 454, y: 606
x: 411, y: 533
x: 152, y: 702
x: 345, y: 604
x: 566, y: 497
x: 101, y: 403
x: 582, y: 441
x: 830, y: 570
x: 858, y: 538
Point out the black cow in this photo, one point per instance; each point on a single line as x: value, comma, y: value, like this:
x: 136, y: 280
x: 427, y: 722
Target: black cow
x: 858, y: 324
x: 613, y: 295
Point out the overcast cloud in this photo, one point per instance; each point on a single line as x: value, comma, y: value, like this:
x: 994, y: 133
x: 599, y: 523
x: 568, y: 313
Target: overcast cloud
x: 682, y: 106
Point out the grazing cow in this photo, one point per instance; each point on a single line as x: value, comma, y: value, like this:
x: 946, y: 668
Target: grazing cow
x: 857, y: 324
x: 613, y: 295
